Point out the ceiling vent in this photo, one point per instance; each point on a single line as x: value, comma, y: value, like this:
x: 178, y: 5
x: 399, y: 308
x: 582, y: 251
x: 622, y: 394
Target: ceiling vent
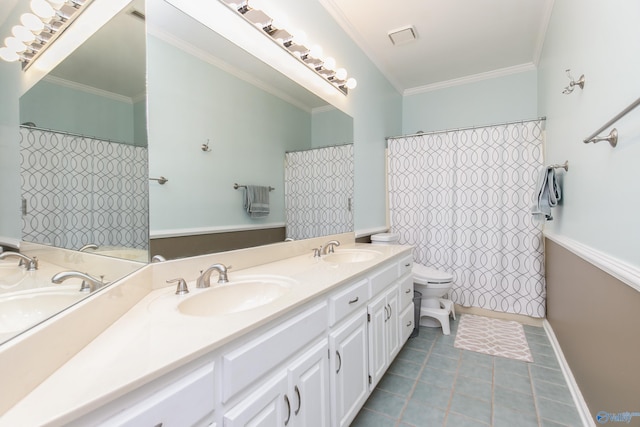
x: 403, y: 35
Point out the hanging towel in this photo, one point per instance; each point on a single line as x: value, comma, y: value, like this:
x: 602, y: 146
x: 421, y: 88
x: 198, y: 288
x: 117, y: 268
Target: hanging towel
x: 256, y: 201
x: 547, y: 194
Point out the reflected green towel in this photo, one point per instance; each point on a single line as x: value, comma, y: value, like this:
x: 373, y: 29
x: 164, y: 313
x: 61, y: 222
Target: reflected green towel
x: 256, y: 201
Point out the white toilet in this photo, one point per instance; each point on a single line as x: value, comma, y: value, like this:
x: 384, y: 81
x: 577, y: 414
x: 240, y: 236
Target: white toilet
x: 432, y: 284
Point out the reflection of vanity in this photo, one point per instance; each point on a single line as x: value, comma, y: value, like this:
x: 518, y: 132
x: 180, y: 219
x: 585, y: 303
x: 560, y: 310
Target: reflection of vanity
x: 313, y: 342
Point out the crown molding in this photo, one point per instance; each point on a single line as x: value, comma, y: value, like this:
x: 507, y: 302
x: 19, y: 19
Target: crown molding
x: 331, y: 7
x: 542, y: 31
x: 87, y: 89
x: 471, y: 79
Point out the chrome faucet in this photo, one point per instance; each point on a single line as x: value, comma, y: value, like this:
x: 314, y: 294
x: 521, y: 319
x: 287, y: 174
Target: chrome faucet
x: 88, y: 246
x: 31, y: 264
x: 89, y: 283
x: 328, y: 247
x: 204, y: 281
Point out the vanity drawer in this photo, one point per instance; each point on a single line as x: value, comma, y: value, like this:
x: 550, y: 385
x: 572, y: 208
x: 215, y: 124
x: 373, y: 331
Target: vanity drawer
x: 244, y: 365
x: 188, y: 401
x: 347, y: 301
x: 406, y: 323
x: 406, y: 290
x: 405, y: 265
x: 383, y: 278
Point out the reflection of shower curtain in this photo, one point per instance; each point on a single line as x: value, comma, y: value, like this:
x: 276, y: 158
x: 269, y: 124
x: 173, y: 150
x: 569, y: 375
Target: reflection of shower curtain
x: 463, y: 199
x: 319, y: 191
x: 80, y: 190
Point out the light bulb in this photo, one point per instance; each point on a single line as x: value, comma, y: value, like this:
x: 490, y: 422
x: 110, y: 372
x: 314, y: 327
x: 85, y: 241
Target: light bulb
x: 8, y: 55
x: 57, y: 4
x: 341, y: 74
x: 330, y: 63
x: 300, y: 37
x: 32, y: 22
x: 23, y: 34
x: 316, y: 51
x: 351, y: 83
x: 43, y: 9
x: 15, y: 45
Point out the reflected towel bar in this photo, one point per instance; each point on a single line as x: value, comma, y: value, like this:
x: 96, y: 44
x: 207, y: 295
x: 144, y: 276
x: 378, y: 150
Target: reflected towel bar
x: 162, y: 180
x: 613, y: 135
x: 236, y: 186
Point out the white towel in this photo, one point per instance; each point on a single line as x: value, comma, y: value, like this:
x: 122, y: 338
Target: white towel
x: 547, y: 194
x: 256, y: 201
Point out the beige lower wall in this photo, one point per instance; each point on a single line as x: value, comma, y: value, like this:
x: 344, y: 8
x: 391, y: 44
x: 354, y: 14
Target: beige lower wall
x: 596, y: 319
x: 186, y: 246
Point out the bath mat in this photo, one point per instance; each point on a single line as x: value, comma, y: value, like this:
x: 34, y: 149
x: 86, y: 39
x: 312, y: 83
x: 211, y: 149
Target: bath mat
x: 493, y: 336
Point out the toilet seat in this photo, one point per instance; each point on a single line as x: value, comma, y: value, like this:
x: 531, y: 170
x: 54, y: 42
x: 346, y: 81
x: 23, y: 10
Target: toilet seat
x: 424, y: 275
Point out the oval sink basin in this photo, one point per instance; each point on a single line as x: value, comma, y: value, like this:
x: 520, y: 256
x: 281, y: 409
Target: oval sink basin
x: 345, y: 256
x: 235, y: 297
x: 19, y: 311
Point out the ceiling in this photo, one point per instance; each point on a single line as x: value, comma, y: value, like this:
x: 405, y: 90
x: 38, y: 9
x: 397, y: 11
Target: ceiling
x: 457, y: 40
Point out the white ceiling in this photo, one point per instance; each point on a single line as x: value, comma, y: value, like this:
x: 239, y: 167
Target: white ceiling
x: 458, y: 40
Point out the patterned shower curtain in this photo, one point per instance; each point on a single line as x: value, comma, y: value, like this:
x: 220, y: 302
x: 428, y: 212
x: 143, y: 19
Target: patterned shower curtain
x: 463, y: 199
x: 319, y: 191
x: 80, y: 190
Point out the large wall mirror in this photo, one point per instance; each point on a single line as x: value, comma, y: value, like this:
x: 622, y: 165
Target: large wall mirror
x: 83, y: 145
x: 259, y: 127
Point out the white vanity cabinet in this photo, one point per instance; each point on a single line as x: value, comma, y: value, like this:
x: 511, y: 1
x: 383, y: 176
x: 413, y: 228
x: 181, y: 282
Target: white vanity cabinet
x: 349, y: 373
x: 383, y: 333
x: 281, y: 376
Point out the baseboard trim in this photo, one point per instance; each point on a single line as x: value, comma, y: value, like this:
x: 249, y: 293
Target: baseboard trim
x: 578, y: 399
x: 520, y: 318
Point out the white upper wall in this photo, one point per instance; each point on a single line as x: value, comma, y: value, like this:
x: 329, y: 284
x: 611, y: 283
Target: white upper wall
x: 601, y: 191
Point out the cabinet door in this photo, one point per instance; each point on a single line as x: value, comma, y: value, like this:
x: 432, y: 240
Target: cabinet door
x: 393, y: 338
x: 348, y: 364
x: 268, y: 406
x: 309, y: 387
x: 377, y: 315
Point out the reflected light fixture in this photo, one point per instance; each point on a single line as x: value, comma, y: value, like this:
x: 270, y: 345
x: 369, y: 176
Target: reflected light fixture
x: 294, y: 42
x: 39, y: 29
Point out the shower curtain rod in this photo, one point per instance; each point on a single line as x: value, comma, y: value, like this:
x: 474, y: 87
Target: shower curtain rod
x: 62, y: 132
x: 465, y: 128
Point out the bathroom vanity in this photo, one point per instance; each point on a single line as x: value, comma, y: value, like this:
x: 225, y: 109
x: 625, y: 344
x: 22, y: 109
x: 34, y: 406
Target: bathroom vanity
x: 297, y: 340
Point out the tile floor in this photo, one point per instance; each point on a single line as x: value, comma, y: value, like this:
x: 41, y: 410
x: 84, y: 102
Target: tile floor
x: 431, y: 383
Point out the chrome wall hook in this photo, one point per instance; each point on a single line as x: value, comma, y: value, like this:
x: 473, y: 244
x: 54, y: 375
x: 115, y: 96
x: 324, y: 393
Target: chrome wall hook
x: 205, y: 147
x: 572, y: 84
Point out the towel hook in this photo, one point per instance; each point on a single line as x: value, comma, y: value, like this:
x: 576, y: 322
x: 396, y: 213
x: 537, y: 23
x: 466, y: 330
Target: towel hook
x: 572, y: 84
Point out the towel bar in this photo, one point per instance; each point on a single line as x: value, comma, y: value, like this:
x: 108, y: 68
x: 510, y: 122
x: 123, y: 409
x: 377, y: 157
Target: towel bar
x: 236, y: 186
x: 564, y: 166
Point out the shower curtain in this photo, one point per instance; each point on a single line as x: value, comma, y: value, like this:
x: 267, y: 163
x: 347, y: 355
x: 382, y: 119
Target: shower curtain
x: 319, y: 191
x: 463, y: 199
x: 79, y: 190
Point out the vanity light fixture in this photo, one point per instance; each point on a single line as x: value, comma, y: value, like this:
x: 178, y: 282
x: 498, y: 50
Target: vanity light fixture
x: 39, y: 29
x: 296, y: 45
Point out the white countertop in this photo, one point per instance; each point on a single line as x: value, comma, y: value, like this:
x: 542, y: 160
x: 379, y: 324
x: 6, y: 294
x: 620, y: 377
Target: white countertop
x: 154, y: 338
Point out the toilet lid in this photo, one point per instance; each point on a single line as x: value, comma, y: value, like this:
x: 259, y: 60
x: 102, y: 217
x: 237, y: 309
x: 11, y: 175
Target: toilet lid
x: 424, y: 275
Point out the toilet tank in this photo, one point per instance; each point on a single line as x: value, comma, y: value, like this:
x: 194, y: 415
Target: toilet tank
x: 385, y: 239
